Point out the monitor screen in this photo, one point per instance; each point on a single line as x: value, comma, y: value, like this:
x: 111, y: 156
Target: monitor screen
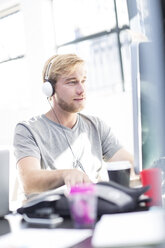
x: 148, y: 82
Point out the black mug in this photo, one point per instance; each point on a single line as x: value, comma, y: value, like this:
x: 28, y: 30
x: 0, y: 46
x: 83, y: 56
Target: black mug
x: 119, y: 172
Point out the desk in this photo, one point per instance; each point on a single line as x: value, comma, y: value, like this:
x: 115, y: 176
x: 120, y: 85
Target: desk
x: 13, y: 223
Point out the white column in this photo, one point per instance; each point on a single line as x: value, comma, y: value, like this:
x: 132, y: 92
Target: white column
x: 40, y: 45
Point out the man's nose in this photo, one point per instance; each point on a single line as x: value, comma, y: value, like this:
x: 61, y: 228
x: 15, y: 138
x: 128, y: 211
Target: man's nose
x: 80, y: 88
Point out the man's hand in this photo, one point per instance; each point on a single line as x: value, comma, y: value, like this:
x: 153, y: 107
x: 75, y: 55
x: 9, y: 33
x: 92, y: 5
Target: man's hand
x: 74, y: 176
x: 35, y: 180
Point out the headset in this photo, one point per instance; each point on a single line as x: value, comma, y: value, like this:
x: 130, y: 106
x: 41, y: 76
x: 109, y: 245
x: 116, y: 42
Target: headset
x: 47, y: 87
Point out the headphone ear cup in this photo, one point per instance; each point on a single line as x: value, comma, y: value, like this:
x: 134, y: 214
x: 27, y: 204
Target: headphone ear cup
x: 48, y: 89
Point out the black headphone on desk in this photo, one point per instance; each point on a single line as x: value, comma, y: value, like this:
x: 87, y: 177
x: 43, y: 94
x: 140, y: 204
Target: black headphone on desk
x: 48, y: 86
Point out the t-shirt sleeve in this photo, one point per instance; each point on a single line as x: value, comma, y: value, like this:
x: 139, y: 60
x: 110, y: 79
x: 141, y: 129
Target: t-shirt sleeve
x: 110, y: 143
x: 24, y: 143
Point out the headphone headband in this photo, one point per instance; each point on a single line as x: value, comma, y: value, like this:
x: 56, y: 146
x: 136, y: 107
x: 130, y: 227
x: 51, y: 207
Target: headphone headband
x: 47, y: 71
x: 48, y: 68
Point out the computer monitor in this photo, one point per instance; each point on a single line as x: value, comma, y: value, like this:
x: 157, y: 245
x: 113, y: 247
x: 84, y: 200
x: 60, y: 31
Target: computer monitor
x: 148, y: 81
x: 4, y: 181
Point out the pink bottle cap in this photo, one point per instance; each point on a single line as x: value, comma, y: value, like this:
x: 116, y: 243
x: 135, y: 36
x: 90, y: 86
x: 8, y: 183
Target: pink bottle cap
x: 82, y: 188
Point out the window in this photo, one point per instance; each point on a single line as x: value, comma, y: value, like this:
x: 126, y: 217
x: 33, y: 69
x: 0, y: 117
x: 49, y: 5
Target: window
x: 14, y: 93
x: 97, y: 31
x: 12, y: 44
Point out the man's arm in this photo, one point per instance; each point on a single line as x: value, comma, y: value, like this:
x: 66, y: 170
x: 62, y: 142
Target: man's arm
x: 35, y: 180
x: 122, y: 155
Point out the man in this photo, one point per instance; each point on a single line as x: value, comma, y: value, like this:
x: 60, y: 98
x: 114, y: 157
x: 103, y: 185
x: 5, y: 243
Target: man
x: 64, y: 147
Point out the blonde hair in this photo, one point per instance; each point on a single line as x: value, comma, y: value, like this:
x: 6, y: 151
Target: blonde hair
x: 60, y: 64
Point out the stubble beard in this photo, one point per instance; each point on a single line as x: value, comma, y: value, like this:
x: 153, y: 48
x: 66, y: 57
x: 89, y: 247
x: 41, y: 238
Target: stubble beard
x: 71, y: 108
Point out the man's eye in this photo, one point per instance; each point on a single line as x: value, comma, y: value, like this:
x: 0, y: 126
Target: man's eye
x: 72, y: 82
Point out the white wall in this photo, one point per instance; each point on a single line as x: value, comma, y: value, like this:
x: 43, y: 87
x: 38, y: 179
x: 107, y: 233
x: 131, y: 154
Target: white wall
x: 116, y: 111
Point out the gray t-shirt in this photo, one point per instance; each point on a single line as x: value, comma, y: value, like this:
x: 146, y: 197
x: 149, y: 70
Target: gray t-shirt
x: 91, y: 141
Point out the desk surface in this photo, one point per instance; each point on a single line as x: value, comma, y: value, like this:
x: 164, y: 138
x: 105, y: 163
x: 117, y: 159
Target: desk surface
x: 14, y: 223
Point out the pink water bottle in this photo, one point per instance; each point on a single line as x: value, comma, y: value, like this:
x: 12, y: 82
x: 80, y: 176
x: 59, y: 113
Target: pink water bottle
x: 83, y: 205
